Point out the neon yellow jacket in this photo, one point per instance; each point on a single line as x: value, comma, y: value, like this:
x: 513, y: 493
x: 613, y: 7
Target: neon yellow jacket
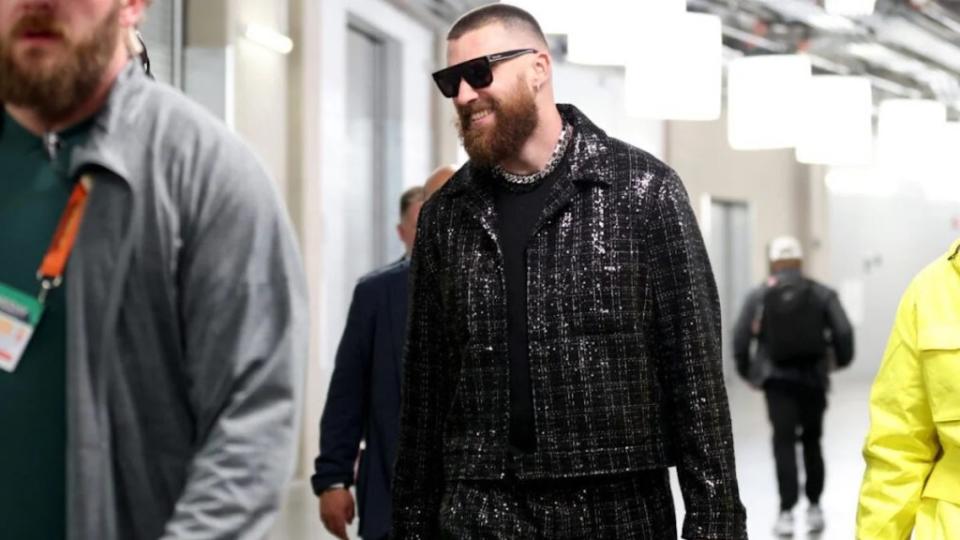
x: 913, y: 447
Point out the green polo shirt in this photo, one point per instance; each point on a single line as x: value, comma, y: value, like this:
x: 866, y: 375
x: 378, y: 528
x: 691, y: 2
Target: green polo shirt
x: 33, y: 193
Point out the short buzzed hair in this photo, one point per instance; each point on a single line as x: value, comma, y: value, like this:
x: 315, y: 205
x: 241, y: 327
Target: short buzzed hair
x: 409, y: 197
x: 511, y: 17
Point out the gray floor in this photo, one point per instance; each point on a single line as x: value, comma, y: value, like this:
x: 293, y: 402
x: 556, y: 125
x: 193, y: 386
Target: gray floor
x: 845, y: 428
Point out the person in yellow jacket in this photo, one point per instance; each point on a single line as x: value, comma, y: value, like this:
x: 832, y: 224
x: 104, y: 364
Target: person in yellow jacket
x: 912, y: 480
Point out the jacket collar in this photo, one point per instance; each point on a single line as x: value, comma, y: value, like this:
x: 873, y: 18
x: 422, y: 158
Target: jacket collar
x: 114, y: 136
x: 590, y: 146
x: 584, y: 164
x: 115, y: 117
x: 954, y: 255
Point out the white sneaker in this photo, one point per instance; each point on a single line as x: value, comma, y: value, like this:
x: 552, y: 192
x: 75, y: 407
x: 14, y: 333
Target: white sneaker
x: 815, y: 521
x: 784, y: 525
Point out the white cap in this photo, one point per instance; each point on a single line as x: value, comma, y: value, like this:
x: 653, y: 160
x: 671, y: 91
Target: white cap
x: 784, y: 248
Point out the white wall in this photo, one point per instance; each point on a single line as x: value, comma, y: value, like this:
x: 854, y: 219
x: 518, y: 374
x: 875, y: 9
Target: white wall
x: 321, y: 73
x: 209, y: 59
x: 261, y: 105
x: 599, y: 93
x: 880, y: 243
x: 771, y: 182
x: 228, y: 74
x: 326, y: 234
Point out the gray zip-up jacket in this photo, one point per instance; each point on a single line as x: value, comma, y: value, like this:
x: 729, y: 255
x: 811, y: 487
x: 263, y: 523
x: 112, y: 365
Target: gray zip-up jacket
x: 187, y: 329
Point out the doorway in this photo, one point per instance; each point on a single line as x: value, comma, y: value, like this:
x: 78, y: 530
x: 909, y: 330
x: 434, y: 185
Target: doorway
x: 728, y: 244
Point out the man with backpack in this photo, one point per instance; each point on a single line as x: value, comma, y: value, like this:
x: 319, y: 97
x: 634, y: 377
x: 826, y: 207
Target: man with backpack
x: 791, y: 333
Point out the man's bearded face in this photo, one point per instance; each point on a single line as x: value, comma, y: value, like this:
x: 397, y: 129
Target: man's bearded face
x: 494, y: 130
x: 51, y: 68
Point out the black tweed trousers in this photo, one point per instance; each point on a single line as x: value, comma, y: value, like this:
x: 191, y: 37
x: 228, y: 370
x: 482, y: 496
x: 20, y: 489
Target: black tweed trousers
x: 623, y: 507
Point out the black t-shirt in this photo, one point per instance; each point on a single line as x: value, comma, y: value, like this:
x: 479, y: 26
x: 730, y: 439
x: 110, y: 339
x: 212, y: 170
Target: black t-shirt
x: 518, y: 210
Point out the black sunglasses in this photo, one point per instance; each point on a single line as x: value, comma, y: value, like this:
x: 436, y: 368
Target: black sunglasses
x: 476, y: 72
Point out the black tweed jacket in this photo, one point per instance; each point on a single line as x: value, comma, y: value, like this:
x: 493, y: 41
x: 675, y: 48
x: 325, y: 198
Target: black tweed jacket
x: 624, y: 340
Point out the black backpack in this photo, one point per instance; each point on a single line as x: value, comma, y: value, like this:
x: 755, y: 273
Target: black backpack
x: 793, y: 323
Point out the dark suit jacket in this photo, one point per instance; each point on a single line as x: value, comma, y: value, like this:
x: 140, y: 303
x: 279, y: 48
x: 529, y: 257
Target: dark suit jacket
x: 363, y: 402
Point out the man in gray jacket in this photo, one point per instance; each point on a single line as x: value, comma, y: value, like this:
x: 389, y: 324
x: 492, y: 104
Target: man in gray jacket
x: 158, y: 396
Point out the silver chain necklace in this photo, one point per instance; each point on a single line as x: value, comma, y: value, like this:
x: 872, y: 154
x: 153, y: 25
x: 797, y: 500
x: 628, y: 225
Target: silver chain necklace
x: 558, y: 151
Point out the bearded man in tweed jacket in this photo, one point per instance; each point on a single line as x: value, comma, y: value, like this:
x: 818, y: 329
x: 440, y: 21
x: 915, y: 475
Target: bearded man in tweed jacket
x: 564, y: 340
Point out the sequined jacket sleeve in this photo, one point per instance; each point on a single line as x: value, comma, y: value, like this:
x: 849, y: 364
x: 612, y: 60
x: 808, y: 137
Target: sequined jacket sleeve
x: 687, y: 320
x: 418, y: 474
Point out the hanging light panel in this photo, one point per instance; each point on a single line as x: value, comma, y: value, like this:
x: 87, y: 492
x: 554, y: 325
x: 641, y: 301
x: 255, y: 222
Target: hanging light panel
x: 763, y: 93
x: 610, y: 39
x: 942, y: 182
x: 837, y: 121
x: 909, y: 134
x: 675, y: 69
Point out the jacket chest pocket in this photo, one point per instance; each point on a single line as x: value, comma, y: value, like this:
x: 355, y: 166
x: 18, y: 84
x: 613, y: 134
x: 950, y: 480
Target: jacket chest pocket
x: 605, y: 284
x: 940, y: 357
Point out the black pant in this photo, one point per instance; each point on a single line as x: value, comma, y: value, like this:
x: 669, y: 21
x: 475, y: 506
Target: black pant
x: 796, y: 412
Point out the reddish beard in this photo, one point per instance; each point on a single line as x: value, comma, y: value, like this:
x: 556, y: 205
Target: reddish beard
x: 53, y: 89
x: 515, y: 119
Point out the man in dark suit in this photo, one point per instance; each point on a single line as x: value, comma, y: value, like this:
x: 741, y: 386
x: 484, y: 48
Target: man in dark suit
x: 363, y: 401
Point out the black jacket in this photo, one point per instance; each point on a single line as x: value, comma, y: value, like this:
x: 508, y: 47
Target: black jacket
x: 750, y: 354
x: 363, y: 402
x: 624, y: 340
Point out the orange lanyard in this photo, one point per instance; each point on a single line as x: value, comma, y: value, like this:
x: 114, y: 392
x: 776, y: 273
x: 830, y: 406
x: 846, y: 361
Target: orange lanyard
x: 54, y: 262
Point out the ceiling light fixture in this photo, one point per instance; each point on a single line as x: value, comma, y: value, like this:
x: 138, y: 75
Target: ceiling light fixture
x: 268, y: 37
x: 837, y: 121
x: 611, y: 40
x: 675, y: 69
x: 762, y: 96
